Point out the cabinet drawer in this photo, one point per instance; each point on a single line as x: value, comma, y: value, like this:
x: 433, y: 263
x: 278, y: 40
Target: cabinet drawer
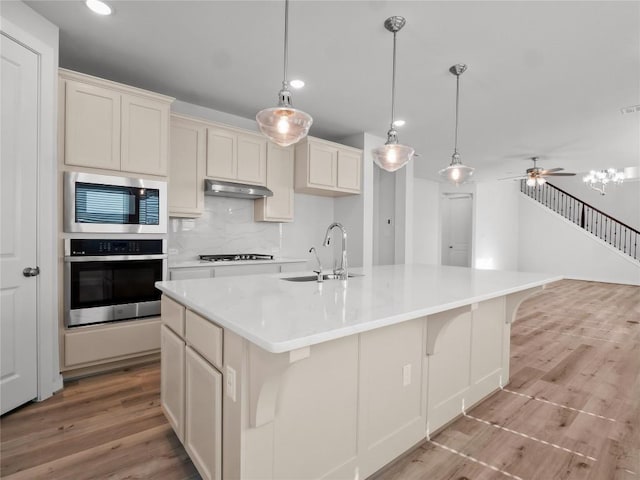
x: 172, y: 315
x: 111, y: 342
x: 205, y: 337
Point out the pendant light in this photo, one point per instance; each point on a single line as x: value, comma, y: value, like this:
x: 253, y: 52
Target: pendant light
x: 284, y: 125
x: 457, y: 172
x: 392, y: 155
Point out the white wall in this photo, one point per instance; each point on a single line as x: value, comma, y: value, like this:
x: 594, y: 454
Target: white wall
x: 622, y: 202
x: 384, y: 217
x: 355, y: 212
x: 426, y: 221
x: 496, y: 225
x: 549, y: 243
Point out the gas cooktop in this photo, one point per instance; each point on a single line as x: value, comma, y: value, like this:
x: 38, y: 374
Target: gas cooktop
x: 231, y: 257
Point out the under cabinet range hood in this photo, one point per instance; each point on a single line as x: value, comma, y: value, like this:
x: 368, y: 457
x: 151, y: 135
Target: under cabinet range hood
x: 235, y: 190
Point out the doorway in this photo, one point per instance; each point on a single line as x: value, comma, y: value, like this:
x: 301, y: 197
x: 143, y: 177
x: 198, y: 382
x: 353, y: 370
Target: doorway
x: 457, y: 229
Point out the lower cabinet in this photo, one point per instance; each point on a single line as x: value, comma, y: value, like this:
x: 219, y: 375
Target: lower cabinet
x: 191, y: 387
x: 203, y: 415
x: 172, y: 379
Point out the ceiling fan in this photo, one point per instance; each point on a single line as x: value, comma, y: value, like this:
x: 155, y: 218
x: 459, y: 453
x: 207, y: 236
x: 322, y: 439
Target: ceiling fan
x: 537, y: 175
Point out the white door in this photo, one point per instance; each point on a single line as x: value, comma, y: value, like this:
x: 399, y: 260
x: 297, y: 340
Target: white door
x: 456, y: 230
x: 18, y: 184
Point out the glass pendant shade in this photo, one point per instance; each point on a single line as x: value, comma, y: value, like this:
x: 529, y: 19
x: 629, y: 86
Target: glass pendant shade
x: 284, y: 125
x: 392, y: 156
x: 456, y: 172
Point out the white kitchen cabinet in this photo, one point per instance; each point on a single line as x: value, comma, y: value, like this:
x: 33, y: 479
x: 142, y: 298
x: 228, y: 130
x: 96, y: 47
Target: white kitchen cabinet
x: 236, y: 156
x: 172, y: 383
x: 92, y: 126
x: 187, y: 167
x: 191, y: 385
x: 203, y: 415
x: 327, y: 168
x: 279, y: 208
x: 110, y: 126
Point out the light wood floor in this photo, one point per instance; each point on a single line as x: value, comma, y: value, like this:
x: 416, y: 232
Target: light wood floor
x: 571, y: 411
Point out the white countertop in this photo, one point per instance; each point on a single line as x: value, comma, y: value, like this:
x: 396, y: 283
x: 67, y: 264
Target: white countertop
x: 204, y: 263
x: 280, y: 316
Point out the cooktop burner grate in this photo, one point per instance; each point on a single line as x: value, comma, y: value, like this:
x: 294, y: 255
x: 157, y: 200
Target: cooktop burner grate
x: 231, y: 257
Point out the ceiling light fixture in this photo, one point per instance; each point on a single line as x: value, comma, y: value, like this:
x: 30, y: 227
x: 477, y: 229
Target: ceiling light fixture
x: 392, y: 156
x: 98, y: 7
x: 284, y: 125
x: 297, y: 83
x: 598, y: 180
x: 457, y: 172
x: 399, y: 123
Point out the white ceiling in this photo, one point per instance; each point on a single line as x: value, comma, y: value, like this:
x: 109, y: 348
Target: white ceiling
x: 545, y: 78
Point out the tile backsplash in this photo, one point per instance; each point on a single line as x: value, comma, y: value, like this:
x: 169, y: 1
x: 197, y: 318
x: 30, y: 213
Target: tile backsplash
x: 227, y: 226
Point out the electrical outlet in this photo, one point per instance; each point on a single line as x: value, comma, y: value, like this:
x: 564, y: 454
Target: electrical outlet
x: 406, y: 375
x: 231, y: 383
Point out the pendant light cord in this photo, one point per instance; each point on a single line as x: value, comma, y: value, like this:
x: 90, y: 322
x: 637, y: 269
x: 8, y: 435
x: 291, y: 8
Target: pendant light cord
x: 286, y: 41
x: 393, y: 81
x: 455, y: 146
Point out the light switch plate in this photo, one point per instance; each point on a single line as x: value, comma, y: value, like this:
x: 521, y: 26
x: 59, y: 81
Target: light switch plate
x: 406, y: 375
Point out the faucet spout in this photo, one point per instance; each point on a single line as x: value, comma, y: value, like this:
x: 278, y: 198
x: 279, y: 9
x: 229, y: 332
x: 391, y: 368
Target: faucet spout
x: 341, y: 271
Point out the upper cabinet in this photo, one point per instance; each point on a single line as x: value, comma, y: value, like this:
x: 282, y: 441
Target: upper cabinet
x: 187, y: 159
x: 236, y: 156
x: 278, y: 208
x: 327, y: 168
x: 110, y: 126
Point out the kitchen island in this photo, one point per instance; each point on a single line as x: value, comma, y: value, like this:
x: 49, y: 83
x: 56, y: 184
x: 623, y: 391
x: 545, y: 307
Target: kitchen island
x: 268, y: 378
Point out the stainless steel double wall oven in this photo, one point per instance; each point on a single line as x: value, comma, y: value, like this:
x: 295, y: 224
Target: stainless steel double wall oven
x: 116, y: 250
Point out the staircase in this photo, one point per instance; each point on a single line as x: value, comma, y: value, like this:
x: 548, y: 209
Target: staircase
x: 594, y: 221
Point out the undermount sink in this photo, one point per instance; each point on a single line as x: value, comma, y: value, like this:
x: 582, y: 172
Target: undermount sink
x: 314, y: 278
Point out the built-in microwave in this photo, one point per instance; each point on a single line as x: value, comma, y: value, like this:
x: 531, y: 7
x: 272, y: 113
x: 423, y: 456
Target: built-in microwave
x: 110, y: 204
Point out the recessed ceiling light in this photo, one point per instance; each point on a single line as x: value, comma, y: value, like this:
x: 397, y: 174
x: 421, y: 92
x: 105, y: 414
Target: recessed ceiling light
x: 296, y: 83
x: 98, y: 7
x: 399, y: 123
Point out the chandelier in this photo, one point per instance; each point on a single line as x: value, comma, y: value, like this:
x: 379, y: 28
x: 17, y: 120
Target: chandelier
x: 598, y: 180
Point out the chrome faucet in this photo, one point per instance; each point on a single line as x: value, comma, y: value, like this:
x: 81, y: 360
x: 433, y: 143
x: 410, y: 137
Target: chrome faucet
x: 340, y: 272
x: 319, y: 271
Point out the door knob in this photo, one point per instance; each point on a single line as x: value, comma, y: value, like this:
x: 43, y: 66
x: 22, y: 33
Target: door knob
x: 450, y: 246
x: 31, y: 272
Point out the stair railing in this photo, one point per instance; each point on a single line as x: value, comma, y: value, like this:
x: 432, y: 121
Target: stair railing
x: 614, y: 232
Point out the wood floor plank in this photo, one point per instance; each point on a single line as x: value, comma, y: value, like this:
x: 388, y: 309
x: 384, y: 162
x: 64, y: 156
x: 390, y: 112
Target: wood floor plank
x: 575, y: 363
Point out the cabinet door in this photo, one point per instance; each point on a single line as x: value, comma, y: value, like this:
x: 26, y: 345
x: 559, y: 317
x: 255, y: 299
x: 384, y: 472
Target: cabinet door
x: 349, y: 171
x: 278, y: 208
x: 145, y: 131
x: 92, y: 126
x: 251, y: 159
x: 323, y: 161
x: 172, y: 353
x: 203, y: 420
x: 186, y: 168
x: 221, y: 154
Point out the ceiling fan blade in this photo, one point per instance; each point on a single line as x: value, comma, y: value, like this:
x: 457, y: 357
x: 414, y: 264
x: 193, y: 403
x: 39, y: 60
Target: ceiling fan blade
x: 514, y: 178
x: 557, y: 175
x: 551, y: 170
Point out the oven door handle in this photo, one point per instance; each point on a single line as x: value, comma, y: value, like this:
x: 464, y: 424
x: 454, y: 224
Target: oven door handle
x: 114, y: 258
